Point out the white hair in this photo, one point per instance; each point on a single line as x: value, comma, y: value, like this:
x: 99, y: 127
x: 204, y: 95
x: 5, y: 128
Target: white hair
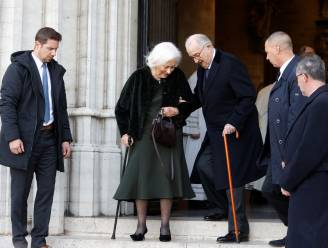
x: 200, y: 39
x: 162, y: 53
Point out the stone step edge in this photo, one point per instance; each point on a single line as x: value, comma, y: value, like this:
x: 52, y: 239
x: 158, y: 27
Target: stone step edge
x: 68, y: 241
x: 186, y: 228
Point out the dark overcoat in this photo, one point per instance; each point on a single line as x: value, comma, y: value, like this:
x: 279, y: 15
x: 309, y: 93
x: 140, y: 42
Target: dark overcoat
x: 136, y: 96
x: 22, y: 108
x: 228, y: 96
x: 305, y: 174
x: 284, y: 102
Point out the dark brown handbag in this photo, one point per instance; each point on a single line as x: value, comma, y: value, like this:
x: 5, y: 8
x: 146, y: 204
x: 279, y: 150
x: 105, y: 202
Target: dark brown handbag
x: 163, y: 131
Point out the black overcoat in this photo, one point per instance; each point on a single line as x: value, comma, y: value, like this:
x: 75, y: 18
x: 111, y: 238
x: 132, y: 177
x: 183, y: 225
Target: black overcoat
x: 284, y: 102
x: 136, y: 96
x: 228, y: 96
x: 305, y: 174
x: 22, y: 108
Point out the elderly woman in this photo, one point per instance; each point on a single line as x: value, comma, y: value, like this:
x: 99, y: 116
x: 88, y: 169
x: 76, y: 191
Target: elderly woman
x: 158, y: 86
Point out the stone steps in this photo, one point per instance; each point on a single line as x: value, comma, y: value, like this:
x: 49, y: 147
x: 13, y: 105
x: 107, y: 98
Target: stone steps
x: 188, y: 228
x: 186, y: 233
x: 76, y: 241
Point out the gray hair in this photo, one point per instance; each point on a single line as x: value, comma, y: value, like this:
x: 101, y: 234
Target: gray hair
x: 280, y: 39
x: 200, y: 39
x: 313, y: 66
x: 162, y: 53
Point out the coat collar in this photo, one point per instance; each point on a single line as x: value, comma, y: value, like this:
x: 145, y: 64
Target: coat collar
x: 288, y: 72
x: 308, y: 101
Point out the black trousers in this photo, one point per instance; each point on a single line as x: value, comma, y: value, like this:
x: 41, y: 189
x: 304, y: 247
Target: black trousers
x: 276, y: 199
x: 43, y: 162
x: 220, y: 199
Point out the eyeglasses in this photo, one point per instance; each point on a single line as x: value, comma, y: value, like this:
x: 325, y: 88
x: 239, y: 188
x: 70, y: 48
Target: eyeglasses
x: 301, y: 75
x: 198, y: 54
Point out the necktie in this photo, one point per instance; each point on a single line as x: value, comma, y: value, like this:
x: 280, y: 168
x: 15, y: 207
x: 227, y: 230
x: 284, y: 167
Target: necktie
x: 46, y: 117
x: 278, y: 75
x: 205, y: 78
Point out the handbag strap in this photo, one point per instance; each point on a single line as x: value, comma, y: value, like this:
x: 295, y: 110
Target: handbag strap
x: 160, y: 159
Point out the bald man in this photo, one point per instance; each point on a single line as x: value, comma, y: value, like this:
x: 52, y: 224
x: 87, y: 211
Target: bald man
x: 284, y: 102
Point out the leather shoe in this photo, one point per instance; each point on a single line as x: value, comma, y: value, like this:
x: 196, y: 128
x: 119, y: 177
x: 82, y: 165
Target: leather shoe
x: 215, y: 217
x: 231, y: 237
x: 278, y: 242
x: 139, y: 236
x: 165, y: 237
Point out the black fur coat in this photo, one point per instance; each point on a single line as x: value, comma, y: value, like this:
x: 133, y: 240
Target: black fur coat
x: 137, y: 95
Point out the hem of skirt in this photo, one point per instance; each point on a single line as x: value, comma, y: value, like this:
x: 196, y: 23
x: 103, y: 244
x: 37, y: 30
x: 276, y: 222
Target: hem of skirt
x: 153, y: 198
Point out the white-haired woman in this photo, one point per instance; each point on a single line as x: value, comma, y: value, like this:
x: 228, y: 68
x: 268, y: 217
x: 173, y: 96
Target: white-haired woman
x: 158, y: 86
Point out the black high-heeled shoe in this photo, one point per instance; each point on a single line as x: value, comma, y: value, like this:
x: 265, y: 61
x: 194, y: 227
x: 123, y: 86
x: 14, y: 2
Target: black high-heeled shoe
x: 139, y: 236
x: 165, y: 237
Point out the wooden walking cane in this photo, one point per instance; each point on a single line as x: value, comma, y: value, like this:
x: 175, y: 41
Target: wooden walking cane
x: 119, y: 201
x: 231, y: 185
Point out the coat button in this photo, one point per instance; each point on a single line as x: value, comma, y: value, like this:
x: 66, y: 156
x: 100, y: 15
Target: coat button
x: 297, y: 94
x: 280, y: 141
x: 283, y: 165
x: 276, y: 99
x: 278, y: 121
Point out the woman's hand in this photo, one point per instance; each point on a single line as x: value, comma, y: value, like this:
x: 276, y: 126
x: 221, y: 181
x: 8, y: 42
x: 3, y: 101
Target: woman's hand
x: 170, y: 111
x: 126, y: 140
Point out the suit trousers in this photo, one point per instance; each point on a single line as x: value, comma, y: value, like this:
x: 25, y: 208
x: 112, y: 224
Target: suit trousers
x: 221, y: 198
x: 42, y: 163
x: 276, y: 199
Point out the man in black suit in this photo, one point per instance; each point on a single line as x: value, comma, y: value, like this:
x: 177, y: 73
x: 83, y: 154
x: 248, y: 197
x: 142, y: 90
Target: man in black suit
x: 305, y: 156
x: 284, y: 102
x: 227, y: 96
x: 35, y: 133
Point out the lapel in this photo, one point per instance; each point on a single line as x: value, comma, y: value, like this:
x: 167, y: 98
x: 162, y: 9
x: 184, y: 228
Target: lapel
x: 308, y: 101
x: 55, y: 86
x: 35, y: 77
x: 286, y: 74
x: 215, y: 67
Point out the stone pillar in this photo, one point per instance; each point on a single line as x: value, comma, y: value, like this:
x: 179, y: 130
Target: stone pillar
x: 105, y: 56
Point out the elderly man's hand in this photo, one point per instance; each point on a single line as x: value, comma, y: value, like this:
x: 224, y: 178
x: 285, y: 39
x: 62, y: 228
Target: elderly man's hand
x: 285, y: 192
x: 228, y: 129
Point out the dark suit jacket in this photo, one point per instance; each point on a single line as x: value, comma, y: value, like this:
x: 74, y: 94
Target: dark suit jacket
x: 22, y: 108
x: 284, y: 102
x: 306, y: 173
x: 228, y: 97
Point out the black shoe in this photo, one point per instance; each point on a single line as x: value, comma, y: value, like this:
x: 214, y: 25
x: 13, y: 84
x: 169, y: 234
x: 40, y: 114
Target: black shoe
x: 278, y: 242
x: 215, y: 217
x: 139, y: 236
x: 165, y: 237
x: 231, y: 237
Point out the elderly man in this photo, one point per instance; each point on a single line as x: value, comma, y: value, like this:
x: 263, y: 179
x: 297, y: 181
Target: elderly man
x: 284, y: 101
x: 35, y: 132
x: 305, y: 160
x: 227, y: 96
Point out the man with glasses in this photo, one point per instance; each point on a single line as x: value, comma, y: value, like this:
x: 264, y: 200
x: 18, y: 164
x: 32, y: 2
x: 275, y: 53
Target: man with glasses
x: 284, y: 102
x: 305, y: 156
x: 227, y: 96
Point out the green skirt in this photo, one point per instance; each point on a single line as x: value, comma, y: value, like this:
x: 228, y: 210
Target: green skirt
x: 144, y: 177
